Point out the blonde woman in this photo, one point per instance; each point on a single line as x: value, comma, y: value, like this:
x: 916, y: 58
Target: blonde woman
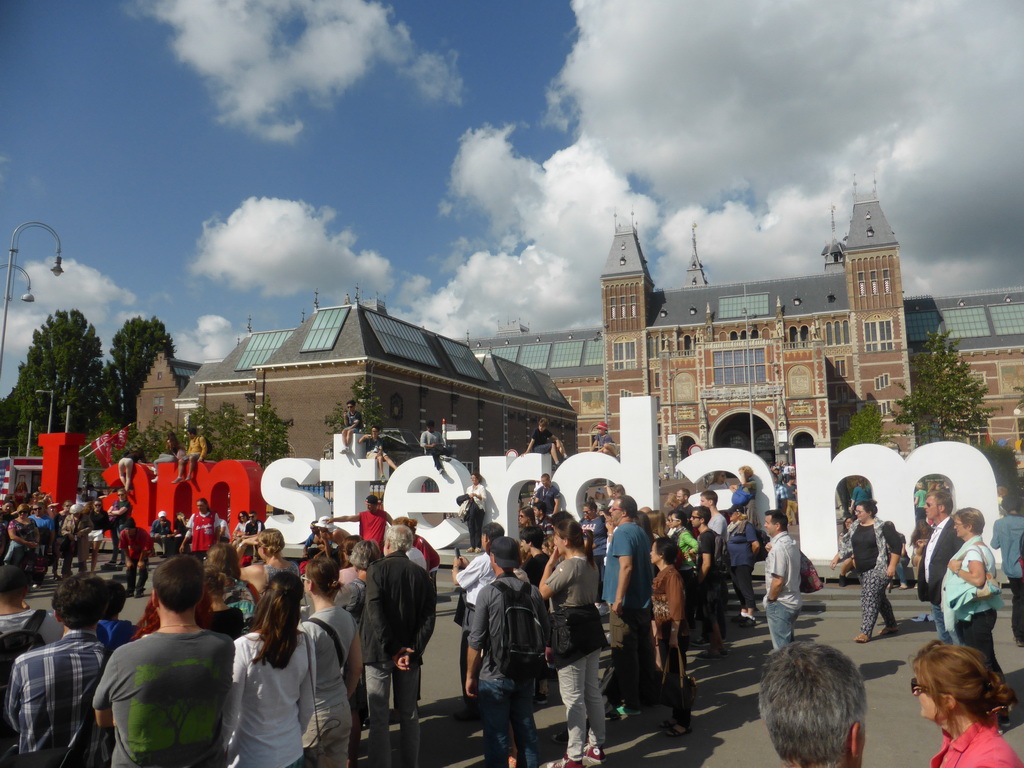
x: 270, y: 545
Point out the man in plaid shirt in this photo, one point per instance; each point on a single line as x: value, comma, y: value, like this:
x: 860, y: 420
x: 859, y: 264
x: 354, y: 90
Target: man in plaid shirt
x: 49, y: 698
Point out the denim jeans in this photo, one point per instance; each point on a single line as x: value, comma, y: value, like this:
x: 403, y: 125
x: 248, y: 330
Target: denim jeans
x: 781, y: 619
x: 379, y: 678
x: 503, y: 701
x: 946, y: 634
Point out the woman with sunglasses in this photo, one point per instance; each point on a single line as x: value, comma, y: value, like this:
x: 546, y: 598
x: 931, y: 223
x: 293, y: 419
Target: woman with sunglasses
x: 959, y: 694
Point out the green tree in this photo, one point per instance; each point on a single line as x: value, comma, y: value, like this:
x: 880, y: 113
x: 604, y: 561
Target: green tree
x: 367, y: 402
x: 152, y: 440
x: 268, y: 435
x: 227, y: 430
x: 946, y: 401
x: 132, y: 353
x: 65, y: 357
x: 865, y: 427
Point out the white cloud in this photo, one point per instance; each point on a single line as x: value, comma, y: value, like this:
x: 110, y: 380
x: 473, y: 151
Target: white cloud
x: 282, y: 247
x: 260, y: 57
x: 553, y: 224
x: 212, y: 338
x: 81, y: 287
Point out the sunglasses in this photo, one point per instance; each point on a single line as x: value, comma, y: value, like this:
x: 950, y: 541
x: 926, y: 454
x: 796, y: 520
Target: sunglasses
x: 916, y: 688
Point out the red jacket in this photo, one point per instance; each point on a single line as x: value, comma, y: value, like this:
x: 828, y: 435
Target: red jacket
x: 980, y: 746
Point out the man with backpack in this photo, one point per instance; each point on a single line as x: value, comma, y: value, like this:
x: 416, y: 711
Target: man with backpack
x: 14, y: 611
x: 49, y: 698
x: 506, y: 653
x: 712, y: 570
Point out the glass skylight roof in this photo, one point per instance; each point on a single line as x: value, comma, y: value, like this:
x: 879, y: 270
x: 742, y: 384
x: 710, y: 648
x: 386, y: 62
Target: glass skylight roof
x: 508, y: 353
x: 519, y: 379
x: 594, y: 354
x: 534, y: 355
x: 920, y: 324
x: 732, y: 306
x: 1008, y: 318
x: 260, y: 347
x: 966, y: 323
x: 463, y: 359
x: 566, y: 354
x: 324, y: 330
x: 402, y: 340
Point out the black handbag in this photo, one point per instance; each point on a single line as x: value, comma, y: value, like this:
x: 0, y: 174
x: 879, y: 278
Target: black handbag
x: 678, y: 691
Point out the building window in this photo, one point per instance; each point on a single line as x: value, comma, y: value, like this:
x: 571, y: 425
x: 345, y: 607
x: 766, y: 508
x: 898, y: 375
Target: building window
x: 632, y: 305
x: 885, y: 406
x: 159, y: 375
x: 656, y: 380
x: 687, y: 342
x: 862, y: 286
x: 158, y: 405
x: 652, y: 347
x: 886, y: 281
x: 625, y: 393
x: 739, y: 366
x: 611, y: 307
x: 881, y: 382
x: 874, y: 283
x: 792, y: 334
x: 878, y: 336
x: 828, y: 334
x: 623, y: 355
x: 842, y: 393
x: 841, y: 368
x: 846, y: 331
x: 844, y: 422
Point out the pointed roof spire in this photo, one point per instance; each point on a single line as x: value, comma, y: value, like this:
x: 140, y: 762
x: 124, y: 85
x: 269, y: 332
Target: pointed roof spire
x: 695, y: 274
x: 834, y: 252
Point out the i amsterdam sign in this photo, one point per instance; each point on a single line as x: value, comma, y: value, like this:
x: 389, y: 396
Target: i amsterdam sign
x: 248, y: 487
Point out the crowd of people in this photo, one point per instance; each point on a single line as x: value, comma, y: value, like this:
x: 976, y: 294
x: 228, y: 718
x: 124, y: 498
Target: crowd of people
x: 244, y: 657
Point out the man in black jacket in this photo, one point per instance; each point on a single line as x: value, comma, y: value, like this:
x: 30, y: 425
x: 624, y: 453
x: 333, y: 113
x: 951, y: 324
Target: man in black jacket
x: 398, y: 621
x: 942, y: 545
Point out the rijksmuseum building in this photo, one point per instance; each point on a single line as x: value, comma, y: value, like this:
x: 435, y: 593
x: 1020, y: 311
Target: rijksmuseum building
x: 785, y: 362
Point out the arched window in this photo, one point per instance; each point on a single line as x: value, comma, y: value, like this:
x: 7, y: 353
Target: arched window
x: 792, y: 333
x: 687, y: 341
x: 828, y: 334
x: 753, y: 334
x: 733, y: 336
x: 846, y: 332
x: 804, y: 332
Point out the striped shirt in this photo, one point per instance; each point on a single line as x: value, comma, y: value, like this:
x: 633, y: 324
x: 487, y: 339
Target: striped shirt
x: 47, y: 699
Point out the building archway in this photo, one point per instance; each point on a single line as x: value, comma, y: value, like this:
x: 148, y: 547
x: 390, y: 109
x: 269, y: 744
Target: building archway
x: 803, y: 440
x: 734, y: 432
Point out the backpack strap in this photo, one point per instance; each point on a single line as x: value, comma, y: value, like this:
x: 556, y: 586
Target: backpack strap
x: 333, y: 635
x: 36, y: 621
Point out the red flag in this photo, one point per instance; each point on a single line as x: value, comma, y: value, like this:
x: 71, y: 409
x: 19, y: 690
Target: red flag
x: 119, y: 440
x: 101, y: 447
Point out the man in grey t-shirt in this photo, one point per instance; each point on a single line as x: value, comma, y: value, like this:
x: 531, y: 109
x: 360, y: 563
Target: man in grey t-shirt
x: 782, y: 600
x: 164, y: 693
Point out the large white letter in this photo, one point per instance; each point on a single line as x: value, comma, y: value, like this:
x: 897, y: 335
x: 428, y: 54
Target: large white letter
x: 697, y: 465
x: 279, y: 486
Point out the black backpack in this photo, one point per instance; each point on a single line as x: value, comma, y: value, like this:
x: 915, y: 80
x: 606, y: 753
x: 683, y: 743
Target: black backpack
x: 721, y: 561
x: 15, y: 642
x: 518, y: 652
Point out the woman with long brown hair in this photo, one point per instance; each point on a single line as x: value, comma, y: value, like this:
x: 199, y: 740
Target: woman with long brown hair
x: 339, y: 664
x: 964, y: 698
x: 271, y: 700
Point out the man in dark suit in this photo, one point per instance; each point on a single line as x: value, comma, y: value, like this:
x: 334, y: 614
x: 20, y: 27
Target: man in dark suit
x: 942, y: 545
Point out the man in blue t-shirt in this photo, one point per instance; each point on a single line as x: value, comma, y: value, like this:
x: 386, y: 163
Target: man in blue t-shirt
x: 627, y: 588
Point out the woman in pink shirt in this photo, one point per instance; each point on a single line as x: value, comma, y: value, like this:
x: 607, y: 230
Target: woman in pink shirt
x: 962, y: 697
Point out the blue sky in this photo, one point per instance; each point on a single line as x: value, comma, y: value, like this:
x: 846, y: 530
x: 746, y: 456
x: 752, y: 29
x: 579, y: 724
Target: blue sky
x: 207, y: 161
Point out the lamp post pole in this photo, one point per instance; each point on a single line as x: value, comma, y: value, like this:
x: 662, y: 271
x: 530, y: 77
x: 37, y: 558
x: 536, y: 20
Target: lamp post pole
x: 12, y: 265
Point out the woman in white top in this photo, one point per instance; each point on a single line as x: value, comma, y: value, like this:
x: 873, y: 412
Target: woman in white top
x: 271, y: 700
x: 478, y: 494
x: 339, y: 663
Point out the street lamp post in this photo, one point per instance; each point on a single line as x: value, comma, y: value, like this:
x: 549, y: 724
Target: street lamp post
x: 49, y: 423
x: 12, y: 265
